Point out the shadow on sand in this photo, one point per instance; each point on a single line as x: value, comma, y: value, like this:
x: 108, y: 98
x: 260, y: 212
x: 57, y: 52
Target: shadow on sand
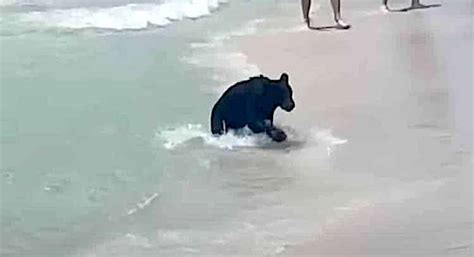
x: 330, y: 27
x: 414, y: 8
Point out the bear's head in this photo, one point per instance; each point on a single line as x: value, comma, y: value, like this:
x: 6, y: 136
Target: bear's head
x: 286, y: 101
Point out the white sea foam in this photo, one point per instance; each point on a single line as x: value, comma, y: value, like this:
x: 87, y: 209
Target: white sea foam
x: 144, y: 203
x: 130, y: 16
x: 175, y: 137
x: 220, y: 54
x: 137, y: 240
x: 172, y: 138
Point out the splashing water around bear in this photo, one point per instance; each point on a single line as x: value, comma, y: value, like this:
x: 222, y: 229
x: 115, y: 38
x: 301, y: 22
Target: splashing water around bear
x: 172, y: 138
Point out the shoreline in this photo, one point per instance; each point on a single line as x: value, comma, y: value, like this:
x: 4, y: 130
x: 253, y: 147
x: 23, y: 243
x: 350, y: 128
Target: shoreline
x: 390, y: 85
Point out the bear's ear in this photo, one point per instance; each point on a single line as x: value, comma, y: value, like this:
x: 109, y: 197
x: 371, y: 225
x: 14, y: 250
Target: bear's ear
x: 284, y: 77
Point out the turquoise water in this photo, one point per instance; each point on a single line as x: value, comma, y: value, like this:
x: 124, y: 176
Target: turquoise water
x: 105, y: 145
x: 85, y: 103
x: 81, y: 110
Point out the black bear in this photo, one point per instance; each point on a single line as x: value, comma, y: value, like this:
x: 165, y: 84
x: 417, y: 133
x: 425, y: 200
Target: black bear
x: 252, y: 103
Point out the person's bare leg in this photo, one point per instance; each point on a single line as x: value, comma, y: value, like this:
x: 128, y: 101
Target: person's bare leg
x: 336, y: 8
x: 385, y: 5
x: 306, y: 6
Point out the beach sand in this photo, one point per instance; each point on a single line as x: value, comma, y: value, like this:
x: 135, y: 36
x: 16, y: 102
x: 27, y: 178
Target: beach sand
x: 398, y: 86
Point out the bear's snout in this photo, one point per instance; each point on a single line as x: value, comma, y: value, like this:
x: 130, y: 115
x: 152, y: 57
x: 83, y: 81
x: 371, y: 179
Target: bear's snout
x: 288, y: 106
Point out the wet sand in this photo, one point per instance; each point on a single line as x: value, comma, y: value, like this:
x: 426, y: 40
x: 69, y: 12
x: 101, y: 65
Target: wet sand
x: 398, y: 86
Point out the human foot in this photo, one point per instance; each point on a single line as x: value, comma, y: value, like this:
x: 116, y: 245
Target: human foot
x: 340, y: 24
x: 419, y: 6
x: 416, y: 6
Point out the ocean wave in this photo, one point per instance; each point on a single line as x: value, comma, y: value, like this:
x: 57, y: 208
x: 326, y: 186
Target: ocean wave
x: 227, y: 61
x: 125, y: 17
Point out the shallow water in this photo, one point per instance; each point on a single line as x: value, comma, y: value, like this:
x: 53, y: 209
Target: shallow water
x: 97, y: 156
x: 105, y: 143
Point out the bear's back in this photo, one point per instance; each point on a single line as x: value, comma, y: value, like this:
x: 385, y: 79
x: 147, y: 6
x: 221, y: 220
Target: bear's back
x: 233, y: 102
x: 244, y: 89
x: 248, y: 86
